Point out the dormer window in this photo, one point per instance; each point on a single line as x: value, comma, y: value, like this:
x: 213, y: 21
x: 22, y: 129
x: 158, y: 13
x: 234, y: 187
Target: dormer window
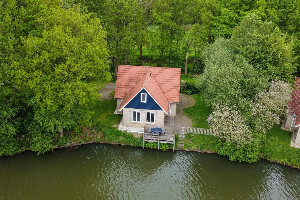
x: 144, y: 97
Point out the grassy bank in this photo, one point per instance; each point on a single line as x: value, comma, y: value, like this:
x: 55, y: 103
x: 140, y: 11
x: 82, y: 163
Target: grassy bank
x: 277, y: 148
x: 103, y: 130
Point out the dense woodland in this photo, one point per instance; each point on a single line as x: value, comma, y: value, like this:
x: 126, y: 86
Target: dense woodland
x: 56, y: 54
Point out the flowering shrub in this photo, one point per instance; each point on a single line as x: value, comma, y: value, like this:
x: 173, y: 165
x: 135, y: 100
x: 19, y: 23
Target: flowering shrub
x: 229, y: 125
x: 269, y: 106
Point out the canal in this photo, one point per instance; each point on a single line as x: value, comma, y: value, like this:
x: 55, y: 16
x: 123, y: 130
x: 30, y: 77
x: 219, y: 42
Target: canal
x: 101, y: 171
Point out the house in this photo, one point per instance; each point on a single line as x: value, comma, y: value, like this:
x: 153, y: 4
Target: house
x: 146, y: 96
x: 293, y: 117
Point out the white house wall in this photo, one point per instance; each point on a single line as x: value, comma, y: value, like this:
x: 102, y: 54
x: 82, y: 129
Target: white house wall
x: 127, y: 118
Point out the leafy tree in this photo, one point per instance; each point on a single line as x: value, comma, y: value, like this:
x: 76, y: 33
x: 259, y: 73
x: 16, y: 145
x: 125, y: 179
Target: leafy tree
x: 230, y: 14
x: 17, y: 20
x: 269, y: 106
x: 53, y: 65
x: 265, y: 47
x: 229, y: 125
x: 228, y: 79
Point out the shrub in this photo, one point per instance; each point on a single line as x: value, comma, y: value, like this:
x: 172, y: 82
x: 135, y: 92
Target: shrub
x: 242, y: 153
x: 188, y: 87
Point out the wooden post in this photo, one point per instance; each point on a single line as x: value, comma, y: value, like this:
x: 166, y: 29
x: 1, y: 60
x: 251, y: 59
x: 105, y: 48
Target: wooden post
x: 186, y: 62
x: 158, y: 141
x: 174, y: 143
x: 143, y: 139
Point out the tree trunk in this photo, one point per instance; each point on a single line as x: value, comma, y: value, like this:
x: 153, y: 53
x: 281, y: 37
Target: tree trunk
x: 125, y: 56
x: 141, y: 54
x: 186, y: 62
x: 116, y: 67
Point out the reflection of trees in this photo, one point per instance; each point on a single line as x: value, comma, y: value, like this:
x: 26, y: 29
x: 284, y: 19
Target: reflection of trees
x: 119, y: 169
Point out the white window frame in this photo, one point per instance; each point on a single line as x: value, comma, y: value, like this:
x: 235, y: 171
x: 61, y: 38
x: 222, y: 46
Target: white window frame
x: 150, y: 117
x: 132, y: 120
x: 145, y: 97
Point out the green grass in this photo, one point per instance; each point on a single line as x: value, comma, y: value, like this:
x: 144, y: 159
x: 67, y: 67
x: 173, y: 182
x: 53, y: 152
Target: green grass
x: 199, y: 112
x: 104, y: 113
x: 277, y: 148
x: 189, y: 78
x: 200, y: 142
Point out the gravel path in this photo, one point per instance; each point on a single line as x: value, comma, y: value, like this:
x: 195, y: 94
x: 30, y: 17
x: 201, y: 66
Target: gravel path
x: 107, y: 91
x: 186, y: 101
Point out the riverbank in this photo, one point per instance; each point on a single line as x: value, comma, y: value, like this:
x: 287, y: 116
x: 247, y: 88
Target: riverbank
x: 275, y: 148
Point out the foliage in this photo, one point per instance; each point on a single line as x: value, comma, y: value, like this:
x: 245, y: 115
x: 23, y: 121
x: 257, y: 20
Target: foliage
x: 242, y: 153
x: 53, y: 61
x: 270, y: 106
x: 112, y: 135
x: 265, y: 47
x: 188, y: 87
x: 163, y: 147
x: 199, y: 112
x: 229, y: 125
x: 228, y: 78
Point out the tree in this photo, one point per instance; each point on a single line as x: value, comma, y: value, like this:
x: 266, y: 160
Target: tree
x: 228, y: 79
x: 269, y: 106
x: 265, y: 47
x: 54, y: 61
x: 17, y: 20
x: 229, y: 125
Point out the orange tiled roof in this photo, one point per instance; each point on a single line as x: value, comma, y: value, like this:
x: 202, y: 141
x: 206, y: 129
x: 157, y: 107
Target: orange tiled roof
x: 168, y: 80
x: 294, y: 104
x: 150, y: 84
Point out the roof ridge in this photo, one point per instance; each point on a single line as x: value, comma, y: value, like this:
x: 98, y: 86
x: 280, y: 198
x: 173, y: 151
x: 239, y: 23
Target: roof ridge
x: 146, y: 77
x: 159, y: 87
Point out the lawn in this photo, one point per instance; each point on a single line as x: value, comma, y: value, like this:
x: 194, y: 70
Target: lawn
x: 277, y: 148
x: 199, y: 112
x: 189, y: 78
x: 200, y: 142
x: 104, y: 113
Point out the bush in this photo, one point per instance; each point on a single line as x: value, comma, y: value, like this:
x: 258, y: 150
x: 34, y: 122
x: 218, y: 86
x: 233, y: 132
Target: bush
x: 242, y: 153
x: 112, y: 135
x: 163, y: 147
x: 188, y: 87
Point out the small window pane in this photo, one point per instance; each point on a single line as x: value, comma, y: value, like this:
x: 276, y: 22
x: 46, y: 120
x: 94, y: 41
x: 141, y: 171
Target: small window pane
x: 138, y: 116
x: 134, y: 116
x: 148, y: 117
x: 152, y: 117
x: 143, y: 97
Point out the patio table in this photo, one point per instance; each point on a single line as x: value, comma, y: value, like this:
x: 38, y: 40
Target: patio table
x: 155, y: 131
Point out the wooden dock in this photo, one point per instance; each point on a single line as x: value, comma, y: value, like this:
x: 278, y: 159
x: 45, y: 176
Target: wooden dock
x: 165, y: 139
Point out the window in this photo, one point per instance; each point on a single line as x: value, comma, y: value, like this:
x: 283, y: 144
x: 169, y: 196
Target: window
x: 150, y: 117
x: 136, y: 116
x: 143, y: 97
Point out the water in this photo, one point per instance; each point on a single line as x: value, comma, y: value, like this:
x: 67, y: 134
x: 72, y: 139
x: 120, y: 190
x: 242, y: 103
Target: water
x: 113, y: 172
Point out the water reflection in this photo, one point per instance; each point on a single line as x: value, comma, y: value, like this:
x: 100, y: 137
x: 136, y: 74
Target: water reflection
x: 114, y: 172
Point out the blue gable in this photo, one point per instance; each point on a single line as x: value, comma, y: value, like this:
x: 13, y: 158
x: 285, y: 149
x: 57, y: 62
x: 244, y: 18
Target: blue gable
x: 149, y: 105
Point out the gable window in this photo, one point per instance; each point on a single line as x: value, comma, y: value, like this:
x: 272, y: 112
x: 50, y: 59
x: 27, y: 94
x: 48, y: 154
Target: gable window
x: 143, y: 97
x: 136, y: 116
x: 150, y: 117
